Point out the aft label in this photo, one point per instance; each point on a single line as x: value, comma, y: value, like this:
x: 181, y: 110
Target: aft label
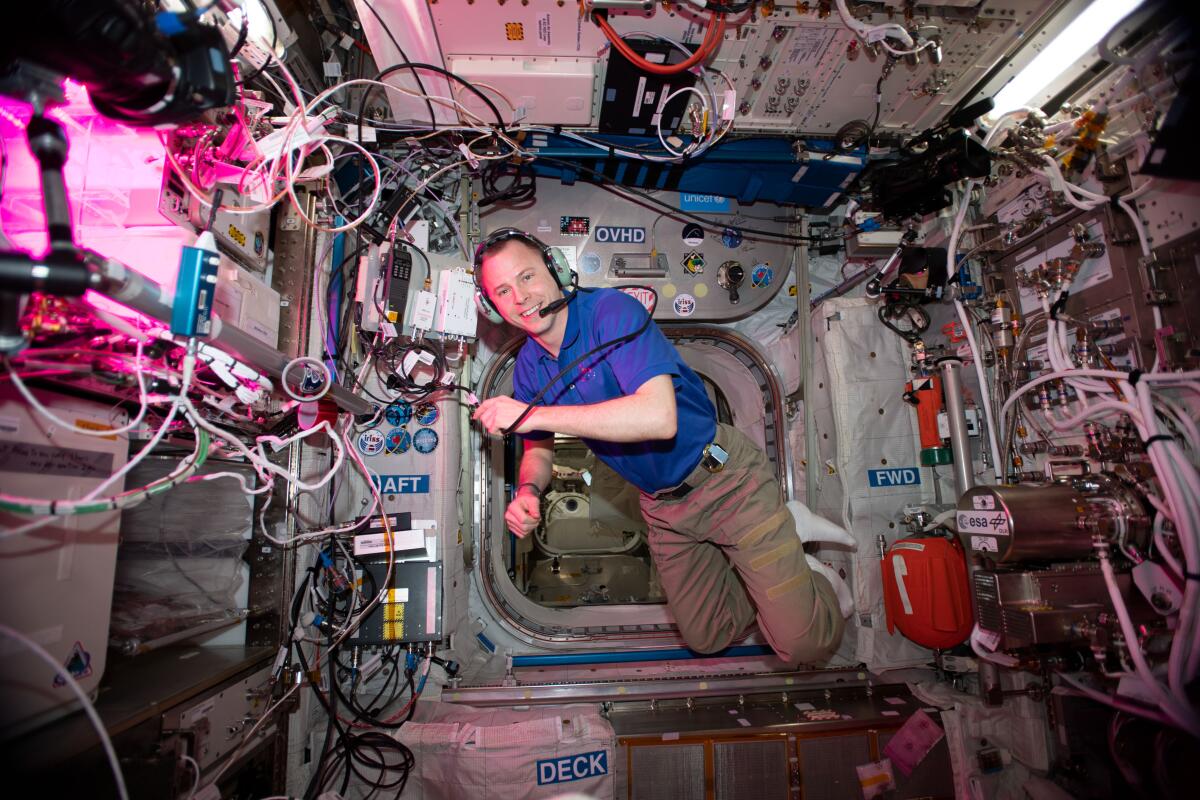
x: 402, y: 484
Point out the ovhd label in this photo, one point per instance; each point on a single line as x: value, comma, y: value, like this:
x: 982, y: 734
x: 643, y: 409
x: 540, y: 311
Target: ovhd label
x: 402, y: 484
x: 623, y: 235
x: 572, y: 768
x: 903, y: 476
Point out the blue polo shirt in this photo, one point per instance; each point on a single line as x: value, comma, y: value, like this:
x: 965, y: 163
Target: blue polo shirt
x: 599, y: 316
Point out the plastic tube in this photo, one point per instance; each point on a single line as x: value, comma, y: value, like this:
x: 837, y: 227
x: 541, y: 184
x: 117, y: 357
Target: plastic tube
x: 1179, y: 713
x: 88, y: 708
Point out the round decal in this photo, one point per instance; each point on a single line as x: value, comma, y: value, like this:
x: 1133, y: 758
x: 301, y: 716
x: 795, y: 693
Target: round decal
x: 589, y: 263
x: 398, y: 440
x: 370, y: 443
x: 693, y: 234
x: 731, y: 238
x: 761, y: 275
x: 700, y: 290
x: 426, y: 413
x: 693, y: 263
x: 425, y: 440
x: 398, y: 413
x: 685, y: 305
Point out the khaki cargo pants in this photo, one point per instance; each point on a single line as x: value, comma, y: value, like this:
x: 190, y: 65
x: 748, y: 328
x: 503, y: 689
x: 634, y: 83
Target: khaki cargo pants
x: 728, y: 547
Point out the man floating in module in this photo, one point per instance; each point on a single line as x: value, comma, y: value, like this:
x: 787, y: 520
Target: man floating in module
x: 724, y: 543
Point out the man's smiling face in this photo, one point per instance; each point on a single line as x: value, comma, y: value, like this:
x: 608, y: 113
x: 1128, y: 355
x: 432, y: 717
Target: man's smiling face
x: 519, y: 284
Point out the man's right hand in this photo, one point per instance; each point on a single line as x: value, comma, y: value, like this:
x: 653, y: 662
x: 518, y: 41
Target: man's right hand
x: 523, y: 514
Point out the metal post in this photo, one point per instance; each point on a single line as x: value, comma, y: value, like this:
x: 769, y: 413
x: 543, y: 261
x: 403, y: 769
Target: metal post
x: 960, y: 443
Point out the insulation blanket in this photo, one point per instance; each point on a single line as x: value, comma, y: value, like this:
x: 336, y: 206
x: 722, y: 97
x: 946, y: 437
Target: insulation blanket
x: 503, y: 754
x: 867, y: 465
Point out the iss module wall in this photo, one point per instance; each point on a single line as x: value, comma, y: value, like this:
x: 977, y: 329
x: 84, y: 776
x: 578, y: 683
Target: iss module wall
x: 929, y: 270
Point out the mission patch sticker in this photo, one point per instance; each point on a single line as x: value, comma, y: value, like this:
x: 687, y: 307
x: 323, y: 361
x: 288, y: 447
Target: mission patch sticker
x: 398, y: 413
x: 425, y: 440
x: 370, y: 443
x: 398, y: 441
x: 426, y: 413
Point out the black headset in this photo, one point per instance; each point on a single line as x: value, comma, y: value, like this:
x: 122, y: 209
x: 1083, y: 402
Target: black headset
x: 551, y: 256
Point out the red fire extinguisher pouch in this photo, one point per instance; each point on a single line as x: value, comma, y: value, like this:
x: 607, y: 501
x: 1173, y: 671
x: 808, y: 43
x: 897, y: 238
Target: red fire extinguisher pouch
x: 925, y: 591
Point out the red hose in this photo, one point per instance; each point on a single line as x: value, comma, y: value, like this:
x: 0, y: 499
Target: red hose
x: 712, y: 36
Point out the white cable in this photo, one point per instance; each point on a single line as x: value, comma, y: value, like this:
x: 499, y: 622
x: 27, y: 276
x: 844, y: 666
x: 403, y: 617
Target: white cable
x: 327, y: 383
x: 1178, y: 711
x: 983, y: 652
x: 976, y: 354
x: 658, y: 122
x: 191, y: 762
x: 871, y: 34
x: 50, y: 415
x: 81, y: 696
x: 985, y: 398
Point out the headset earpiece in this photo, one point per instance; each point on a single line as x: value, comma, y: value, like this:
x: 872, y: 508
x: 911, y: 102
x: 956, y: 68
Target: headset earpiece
x: 559, y: 267
x: 485, y: 307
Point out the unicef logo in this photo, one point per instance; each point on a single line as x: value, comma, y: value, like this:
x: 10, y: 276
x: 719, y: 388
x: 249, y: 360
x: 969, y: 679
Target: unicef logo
x: 370, y: 443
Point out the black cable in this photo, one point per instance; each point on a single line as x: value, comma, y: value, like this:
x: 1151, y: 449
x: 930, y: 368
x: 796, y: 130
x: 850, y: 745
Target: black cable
x: 611, y: 343
x: 274, y: 43
x: 878, y: 108
x: 415, y: 66
x: 400, y: 50
x: 242, y: 34
x: 370, y: 714
x: 605, y: 181
x: 520, y: 193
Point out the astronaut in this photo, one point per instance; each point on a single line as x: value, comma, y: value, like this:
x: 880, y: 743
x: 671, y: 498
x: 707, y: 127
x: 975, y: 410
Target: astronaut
x: 725, y: 546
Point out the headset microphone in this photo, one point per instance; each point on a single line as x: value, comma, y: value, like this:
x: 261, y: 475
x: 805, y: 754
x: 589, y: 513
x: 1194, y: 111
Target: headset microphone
x: 555, y: 306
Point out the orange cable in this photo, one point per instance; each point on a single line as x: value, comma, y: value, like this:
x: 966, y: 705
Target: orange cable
x: 712, y: 35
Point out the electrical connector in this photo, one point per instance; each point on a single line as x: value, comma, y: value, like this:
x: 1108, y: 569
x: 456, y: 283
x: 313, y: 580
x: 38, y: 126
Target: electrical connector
x: 195, y: 288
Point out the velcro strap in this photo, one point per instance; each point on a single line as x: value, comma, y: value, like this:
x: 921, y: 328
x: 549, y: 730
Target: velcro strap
x: 750, y: 537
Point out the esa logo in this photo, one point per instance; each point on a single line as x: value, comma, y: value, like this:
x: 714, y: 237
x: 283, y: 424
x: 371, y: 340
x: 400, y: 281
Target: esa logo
x: 572, y: 768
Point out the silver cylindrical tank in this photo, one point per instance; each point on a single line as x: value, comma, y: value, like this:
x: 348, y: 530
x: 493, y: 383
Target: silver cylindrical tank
x: 1016, y: 523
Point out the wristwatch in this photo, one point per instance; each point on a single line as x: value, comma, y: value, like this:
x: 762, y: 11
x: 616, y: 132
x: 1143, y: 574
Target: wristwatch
x: 537, y: 490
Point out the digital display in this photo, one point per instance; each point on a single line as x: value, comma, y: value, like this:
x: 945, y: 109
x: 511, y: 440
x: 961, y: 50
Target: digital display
x: 574, y: 226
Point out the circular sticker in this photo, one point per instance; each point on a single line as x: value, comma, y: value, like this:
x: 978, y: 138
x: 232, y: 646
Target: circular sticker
x: 398, y: 413
x: 589, y: 263
x: 398, y: 440
x: 731, y: 238
x: 761, y: 275
x: 370, y: 443
x: 693, y: 234
x: 425, y: 440
x: 693, y: 263
x: 426, y: 413
x: 685, y: 305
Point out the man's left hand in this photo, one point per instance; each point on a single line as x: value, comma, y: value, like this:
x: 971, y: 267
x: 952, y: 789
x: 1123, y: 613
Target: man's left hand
x: 497, y: 413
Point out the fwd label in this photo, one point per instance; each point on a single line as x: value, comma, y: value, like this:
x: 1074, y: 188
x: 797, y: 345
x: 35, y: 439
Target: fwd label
x: 572, y: 768
x: 902, y: 476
